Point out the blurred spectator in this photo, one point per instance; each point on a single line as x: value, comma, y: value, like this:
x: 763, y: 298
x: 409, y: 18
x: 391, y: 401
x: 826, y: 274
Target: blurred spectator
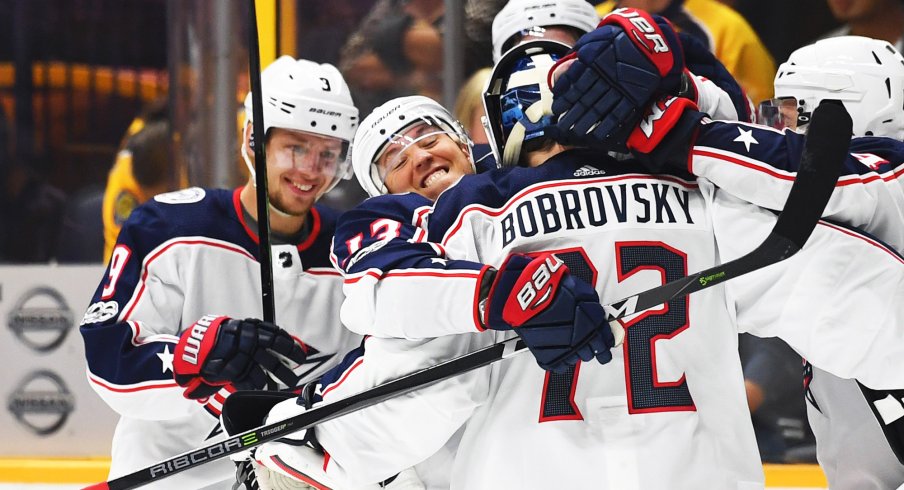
x: 31, y: 212
x: 775, y: 395
x: 725, y: 32
x: 30, y: 208
x: 398, y: 50
x: 469, y: 111
x: 142, y: 169
x: 878, y: 19
x: 324, y: 26
x: 778, y: 23
x: 469, y: 104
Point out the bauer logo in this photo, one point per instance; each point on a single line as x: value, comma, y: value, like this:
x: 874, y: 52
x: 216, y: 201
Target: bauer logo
x: 41, y: 403
x: 41, y: 319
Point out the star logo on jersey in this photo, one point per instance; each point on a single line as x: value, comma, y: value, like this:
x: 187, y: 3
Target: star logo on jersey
x: 746, y: 137
x: 166, y: 359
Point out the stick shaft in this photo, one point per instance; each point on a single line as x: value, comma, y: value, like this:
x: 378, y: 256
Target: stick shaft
x: 260, y: 168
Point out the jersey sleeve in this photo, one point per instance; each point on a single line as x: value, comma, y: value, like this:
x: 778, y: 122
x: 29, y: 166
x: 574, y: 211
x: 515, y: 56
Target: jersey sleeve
x: 835, y: 302
x: 396, y: 283
x: 759, y: 164
x: 380, y: 441
x: 131, y: 326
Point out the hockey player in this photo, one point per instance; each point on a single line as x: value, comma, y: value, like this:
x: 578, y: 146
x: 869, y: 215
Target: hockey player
x: 675, y: 393
x: 868, y: 76
x: 525, y: 20
x: 193, y: 254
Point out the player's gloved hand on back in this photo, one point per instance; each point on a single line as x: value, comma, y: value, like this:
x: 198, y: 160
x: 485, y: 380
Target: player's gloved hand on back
x: 557, y: 315
x: 217, y: 351
x: 601, y: 88
x: 664, y: 135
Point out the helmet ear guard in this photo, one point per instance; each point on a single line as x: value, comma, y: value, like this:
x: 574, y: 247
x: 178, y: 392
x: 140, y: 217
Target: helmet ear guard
x: 517, y: 100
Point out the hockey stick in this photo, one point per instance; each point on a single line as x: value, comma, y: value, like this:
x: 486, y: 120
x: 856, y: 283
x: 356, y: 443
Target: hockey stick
x: 268, y: 302
x: 824, y: 153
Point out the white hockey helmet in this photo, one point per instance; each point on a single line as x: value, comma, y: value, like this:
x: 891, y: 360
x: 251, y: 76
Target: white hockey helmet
x: 306, y: 96
x: 388, y: 124
x: 867, y: 75
x: 522, y: 16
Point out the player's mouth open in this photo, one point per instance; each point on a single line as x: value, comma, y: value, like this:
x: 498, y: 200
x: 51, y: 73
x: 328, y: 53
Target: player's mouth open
x: 433, y: 177
x: 302, y: 187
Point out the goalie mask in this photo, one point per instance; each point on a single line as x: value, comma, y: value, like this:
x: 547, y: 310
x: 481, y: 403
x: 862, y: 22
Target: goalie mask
x: 867, y: 75
x: 517, y: 99
x: 386, y: 135
x: 312, y: 98
x: 526, y: 18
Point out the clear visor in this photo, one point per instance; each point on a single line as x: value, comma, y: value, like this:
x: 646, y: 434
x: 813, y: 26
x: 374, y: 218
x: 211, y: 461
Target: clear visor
x: 782, y: 113
x: 320, y: 156
x: 400, y: 148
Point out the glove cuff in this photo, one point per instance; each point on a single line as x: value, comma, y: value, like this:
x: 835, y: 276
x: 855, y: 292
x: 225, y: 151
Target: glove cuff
x: 660, y: 119
x: 193, y: 343
x: 484, y: 285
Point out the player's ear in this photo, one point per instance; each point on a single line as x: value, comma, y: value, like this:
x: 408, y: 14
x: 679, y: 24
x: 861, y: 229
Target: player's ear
x: 465, y: 149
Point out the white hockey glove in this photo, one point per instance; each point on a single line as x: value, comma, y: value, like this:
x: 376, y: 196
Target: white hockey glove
x: 295, y: 461
x: 299, y: 457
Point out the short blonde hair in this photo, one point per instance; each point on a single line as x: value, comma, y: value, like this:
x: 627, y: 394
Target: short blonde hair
x: 470, y: 98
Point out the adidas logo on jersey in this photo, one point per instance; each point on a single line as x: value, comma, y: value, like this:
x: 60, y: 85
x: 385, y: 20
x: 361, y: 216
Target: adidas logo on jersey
x: 587, y: 171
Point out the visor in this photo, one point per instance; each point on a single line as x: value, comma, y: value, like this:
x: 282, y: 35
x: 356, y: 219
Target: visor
x: 399, y: 147
x: 316, y: 157
x: 781, y: 113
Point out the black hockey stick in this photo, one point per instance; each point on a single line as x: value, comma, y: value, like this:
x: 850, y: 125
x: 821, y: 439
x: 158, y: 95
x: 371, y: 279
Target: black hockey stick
x: 260, y: 167
x: 825, y: 151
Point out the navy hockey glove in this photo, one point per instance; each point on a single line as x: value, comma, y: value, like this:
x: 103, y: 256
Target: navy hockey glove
x: 218, y: 351
x: 557, y: 315
x: 616, y: 70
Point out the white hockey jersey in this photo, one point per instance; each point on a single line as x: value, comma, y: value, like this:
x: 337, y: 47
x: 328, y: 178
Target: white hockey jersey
x: 180, y: 256
x: 851, y: 447
x: 669, y: 411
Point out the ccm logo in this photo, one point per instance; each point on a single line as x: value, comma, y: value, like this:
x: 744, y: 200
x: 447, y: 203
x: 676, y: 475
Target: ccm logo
x: 532, y: 294
x: 647, y: 29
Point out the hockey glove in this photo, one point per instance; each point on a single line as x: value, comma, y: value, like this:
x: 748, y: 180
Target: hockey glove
x: 664, y: 136
x: 558, y: 316
x: 295, y: 460
x: 218, y: 351
x: 613, y: 73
